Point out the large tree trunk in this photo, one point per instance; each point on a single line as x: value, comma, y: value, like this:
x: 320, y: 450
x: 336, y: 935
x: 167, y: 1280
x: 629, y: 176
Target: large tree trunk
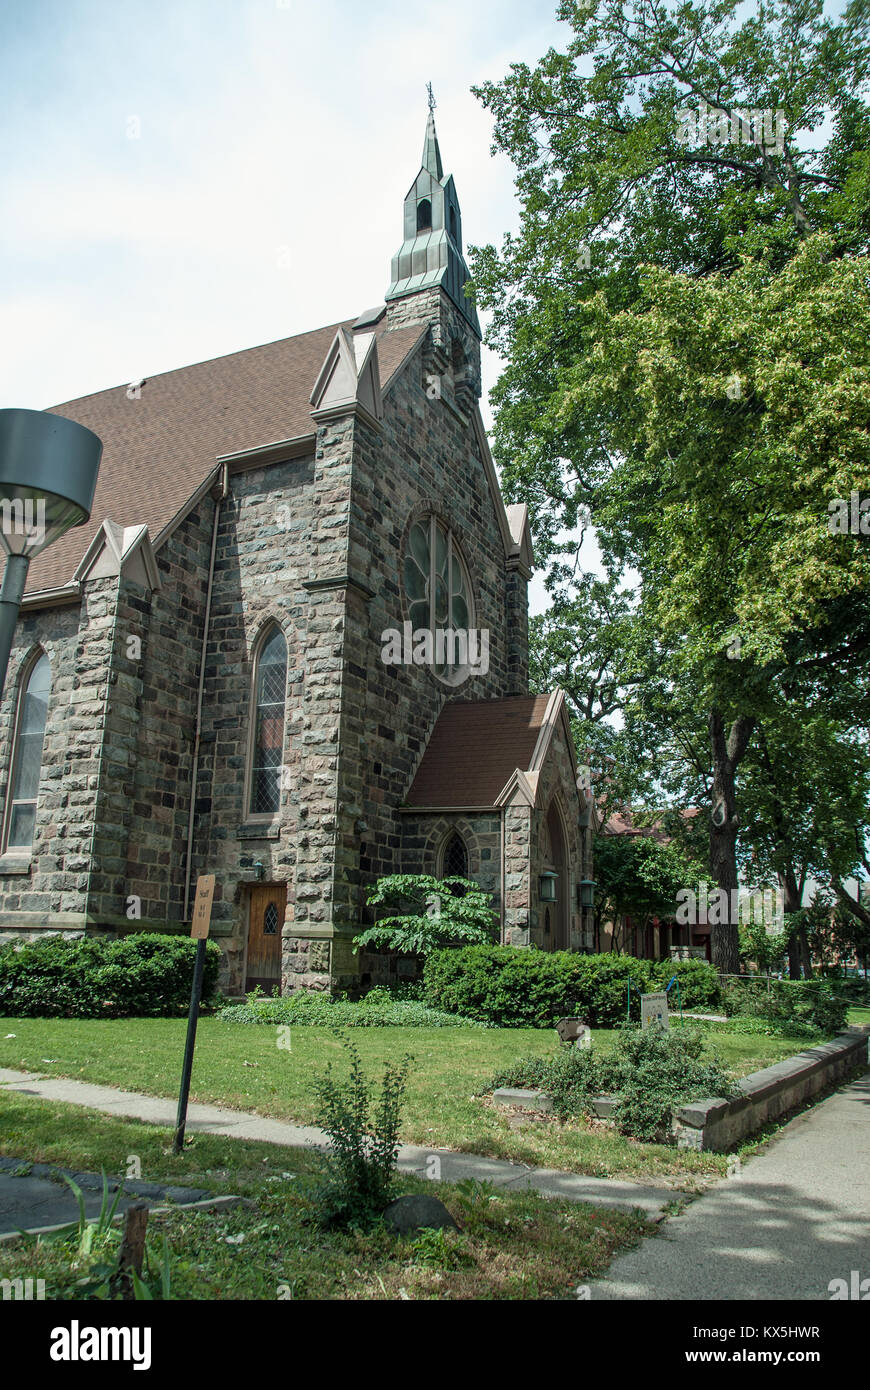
x: 804, y: 951
x: 799, y: 960
x: 727, y: 750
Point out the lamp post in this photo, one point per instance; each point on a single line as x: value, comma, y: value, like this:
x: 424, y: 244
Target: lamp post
x: 48, y: 473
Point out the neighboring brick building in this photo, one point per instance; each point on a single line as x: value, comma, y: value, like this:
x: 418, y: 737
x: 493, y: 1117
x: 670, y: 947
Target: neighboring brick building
x: 216, y: 668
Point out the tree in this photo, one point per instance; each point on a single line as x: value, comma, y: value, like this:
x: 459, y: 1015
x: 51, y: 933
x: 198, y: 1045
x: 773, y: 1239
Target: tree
x: 433, y: 912
x: 806, y: 785
x: 706, y: 410
x: 639, y: 876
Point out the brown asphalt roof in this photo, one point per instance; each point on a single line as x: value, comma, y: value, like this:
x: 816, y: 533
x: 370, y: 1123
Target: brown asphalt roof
x: 159, y: 449
x: 474, y: 748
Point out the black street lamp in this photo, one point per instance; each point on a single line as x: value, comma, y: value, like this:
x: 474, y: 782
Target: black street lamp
x: 48, y: 473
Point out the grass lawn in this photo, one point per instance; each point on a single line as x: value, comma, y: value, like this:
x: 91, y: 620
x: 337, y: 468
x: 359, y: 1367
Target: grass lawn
x: 858, y: 1014
x: 242, y: 1067
x: 512, y: 1245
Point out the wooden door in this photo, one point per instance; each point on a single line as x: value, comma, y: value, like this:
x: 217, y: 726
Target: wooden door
x: 265, y: 926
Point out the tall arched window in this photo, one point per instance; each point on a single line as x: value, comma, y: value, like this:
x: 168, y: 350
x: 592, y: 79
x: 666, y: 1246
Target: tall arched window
x: 26, y: 763
x: 267, y: 719
x: 438, y: 591
x: 424, y: 215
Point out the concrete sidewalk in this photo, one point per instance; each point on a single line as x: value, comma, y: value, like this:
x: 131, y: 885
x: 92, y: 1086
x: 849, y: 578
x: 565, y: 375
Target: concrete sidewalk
x: 237, y: 1124
x: 787, y: 1224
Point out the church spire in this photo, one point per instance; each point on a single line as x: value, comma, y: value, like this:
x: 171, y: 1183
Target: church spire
x: 431, y: 251
x: 431, y: 151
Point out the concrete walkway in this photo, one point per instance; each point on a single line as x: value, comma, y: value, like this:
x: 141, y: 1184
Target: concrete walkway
x: 237, y: 1124
x: 787, y: 1224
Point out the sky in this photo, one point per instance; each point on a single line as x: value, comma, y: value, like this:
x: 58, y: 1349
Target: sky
x: 187, y: 178
x: 183, y: 180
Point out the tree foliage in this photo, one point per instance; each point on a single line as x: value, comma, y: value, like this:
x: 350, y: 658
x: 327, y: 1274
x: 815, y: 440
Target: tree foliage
x: 684, y: 325
x: 432, y: 913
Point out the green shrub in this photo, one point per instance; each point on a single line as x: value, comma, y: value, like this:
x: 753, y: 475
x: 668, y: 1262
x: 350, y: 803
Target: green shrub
x: 812, y: 1003
x: 698, y: 980
x: 854, y: 988
x: 570, y: 1078
x: 603, y: 988
x: 145, y: 975
x: 431, y: 913
x: 378, y: 1009
x: 441, y: 1249
x: 510, y: 988
x: 359, y: 1167
x: 653, y: 1071
x: 649, y: 1072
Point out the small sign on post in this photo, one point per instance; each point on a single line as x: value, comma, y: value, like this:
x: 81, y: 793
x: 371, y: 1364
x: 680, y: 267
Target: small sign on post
x: 199, y: 932
x: 654, y: 1011
x: 202, y: 902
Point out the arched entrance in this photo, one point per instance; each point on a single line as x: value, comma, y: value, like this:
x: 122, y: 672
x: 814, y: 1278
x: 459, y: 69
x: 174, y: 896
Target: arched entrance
x: 554, y: 912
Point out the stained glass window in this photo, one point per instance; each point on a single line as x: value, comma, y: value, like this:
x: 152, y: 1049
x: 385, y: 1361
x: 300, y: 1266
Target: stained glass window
x: 270, y: 920
x: 270, y: 685
x: 438, y: 591
x: 27, y: 756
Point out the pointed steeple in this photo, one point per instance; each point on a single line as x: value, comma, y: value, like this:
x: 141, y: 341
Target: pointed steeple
x: 431, y: 251
x: 431, y: 150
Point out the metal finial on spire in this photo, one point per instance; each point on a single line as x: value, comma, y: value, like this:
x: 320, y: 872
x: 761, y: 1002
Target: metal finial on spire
x: 431, y: 152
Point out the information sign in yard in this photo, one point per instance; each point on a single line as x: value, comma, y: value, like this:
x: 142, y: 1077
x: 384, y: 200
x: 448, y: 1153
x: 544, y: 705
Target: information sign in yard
x: 654, y: 1011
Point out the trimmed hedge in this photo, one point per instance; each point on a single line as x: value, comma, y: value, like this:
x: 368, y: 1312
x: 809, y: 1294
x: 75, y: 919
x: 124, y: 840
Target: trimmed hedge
x: 145, y: 975
x: 699, y: 982
x: 531, y: 988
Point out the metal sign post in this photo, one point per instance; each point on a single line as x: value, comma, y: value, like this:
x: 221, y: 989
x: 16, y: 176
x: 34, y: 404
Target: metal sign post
x: 199, y: 932
x: 674, y: 981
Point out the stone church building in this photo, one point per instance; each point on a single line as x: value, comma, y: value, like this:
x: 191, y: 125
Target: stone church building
x: 291, y: 649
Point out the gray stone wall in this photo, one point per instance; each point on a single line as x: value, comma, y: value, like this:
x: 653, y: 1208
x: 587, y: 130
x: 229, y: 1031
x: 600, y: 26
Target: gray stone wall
x: 425, y: 458
x: 518, y: 882
x: 424, y: 839
x: 49, y: 887
x: 315, y: 545
x: 163, y: 683
x: 263, y: 560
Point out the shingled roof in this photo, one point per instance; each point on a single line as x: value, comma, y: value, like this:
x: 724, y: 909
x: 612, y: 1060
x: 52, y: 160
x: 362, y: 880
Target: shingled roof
x: 159, y: 449
x: 474, y: 749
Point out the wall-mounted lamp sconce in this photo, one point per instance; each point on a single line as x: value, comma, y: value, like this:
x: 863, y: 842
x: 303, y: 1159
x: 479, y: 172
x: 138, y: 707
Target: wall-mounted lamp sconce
x: 260, y: 869
x: 586, y: 892
x: 547, y: 886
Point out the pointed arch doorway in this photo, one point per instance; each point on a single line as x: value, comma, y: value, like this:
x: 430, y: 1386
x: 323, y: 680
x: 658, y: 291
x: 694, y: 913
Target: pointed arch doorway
x: 554, y: 913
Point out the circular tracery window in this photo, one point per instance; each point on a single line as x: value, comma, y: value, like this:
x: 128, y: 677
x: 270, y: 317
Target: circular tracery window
x: 438, y: 591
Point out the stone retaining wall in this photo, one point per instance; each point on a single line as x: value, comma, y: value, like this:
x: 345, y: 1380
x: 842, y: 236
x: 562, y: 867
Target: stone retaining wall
x: 769, y: 1094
